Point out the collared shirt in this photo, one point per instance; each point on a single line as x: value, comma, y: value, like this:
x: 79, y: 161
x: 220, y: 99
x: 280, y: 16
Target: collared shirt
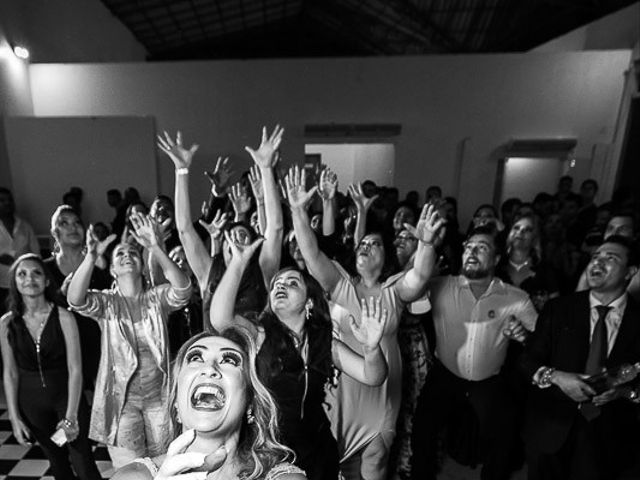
x: 22, y: 240
x: 613, y: 318
x: 469, y: 332
x: 119, y: 361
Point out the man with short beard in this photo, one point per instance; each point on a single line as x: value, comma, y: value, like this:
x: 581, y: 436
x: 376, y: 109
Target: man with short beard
x: 475, y: 315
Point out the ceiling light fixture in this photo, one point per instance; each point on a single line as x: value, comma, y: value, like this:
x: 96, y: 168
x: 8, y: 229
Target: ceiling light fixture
x: 21, y: 52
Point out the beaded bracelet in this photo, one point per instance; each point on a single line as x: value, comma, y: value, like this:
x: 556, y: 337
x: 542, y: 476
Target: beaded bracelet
x: 182, y: 171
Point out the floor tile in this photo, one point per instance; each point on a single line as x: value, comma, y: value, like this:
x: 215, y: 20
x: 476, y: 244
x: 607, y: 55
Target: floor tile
x: 6, y: 466
x: 13, y: 452
x: 33, y: 468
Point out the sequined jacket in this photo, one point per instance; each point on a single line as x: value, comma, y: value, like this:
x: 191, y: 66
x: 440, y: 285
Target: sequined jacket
x: 119, y: 361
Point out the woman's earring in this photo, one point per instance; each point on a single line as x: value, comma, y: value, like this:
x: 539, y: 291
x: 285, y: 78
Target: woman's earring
x: 175, y: 405
x: 307, y: 310
x: 250, y: 417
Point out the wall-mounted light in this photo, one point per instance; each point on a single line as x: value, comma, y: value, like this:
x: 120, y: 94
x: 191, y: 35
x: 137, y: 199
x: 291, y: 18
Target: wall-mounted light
x: 21, y: 52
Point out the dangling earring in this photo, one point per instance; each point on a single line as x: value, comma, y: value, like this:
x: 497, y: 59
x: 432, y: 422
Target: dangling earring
x: 175, y: 405
x: 307, y: 309
x: 250, y: 417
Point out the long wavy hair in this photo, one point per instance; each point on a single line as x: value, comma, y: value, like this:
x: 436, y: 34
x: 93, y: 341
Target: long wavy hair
x: 536, y: 245
x: 390, y: 265
x: 15, y: 303
x: 258, y: 448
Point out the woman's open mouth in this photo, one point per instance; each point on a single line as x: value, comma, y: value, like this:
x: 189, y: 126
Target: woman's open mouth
x: 208, y: 396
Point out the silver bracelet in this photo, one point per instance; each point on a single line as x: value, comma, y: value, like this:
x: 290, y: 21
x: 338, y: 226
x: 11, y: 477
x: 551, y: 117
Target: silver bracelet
x: 545, y: 378
x: 182, y: 171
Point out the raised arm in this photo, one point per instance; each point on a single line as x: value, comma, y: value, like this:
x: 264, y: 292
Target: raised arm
x: 195, y: 251
x: 77, y: 292
x: 147, y: 236
x: 215, y: 228
x: 371, y: 367
x: 327, y: 187
x: 363, y: 204
x: 11, y: 382
x: 222, y: 309
x: 317, y: 262
x: 414, y: 281
x: 255, y: 179
x: 264, y: 158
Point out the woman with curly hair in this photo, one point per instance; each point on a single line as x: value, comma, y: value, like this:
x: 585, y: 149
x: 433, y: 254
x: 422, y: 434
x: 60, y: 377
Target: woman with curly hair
x: 297, y: 355
x: 225, y: 418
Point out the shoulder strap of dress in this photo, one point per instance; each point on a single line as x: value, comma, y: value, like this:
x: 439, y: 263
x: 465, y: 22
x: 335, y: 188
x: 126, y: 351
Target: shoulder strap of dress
x: 283, y: 469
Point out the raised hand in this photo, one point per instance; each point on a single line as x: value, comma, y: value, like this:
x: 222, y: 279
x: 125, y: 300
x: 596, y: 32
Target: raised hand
x: 264, y: 156
x: 240, y: 199
x: 296, y: 190
x: 220, y: 177
x: 144, y: 230
x: 428, y: 226
x: 179, y: 155
x: 216, y: 226
x: 328, y: 184
x: 255, y: 179
x: 242, y: 253
x: 178, y: 461
x: 102, y: 245
x: 362, y: 203
x: 371, y: 327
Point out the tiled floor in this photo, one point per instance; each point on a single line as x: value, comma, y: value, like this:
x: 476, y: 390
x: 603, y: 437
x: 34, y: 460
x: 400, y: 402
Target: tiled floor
x: 24, y: 463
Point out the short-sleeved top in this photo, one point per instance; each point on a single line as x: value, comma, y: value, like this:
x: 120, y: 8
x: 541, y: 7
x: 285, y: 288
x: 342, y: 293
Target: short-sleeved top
x: 469, y: 332
x: 360, y: 412
x: 53, y: 350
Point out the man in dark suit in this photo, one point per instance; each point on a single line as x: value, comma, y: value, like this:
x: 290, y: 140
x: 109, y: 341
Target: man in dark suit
x: 571, y: 431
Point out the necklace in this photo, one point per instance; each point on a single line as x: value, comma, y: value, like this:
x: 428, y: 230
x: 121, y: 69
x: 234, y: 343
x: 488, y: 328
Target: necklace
x: 519, y: 266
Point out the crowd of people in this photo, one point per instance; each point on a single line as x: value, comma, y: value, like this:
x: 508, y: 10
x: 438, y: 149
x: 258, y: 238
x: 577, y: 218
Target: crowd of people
x: 296, y: 331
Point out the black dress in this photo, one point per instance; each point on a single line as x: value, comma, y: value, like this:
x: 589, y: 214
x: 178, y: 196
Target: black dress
x: 43, y: 394
x: 299, y: 391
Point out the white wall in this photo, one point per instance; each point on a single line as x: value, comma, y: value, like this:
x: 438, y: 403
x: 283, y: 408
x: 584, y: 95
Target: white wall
x: 358, y: 162
x: 440, y: 101
x: 50, y: 155
x: 69, y: 31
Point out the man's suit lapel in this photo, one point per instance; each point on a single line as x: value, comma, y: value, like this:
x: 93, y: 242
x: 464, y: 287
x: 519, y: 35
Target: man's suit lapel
x: 581, y: 319
x: 627, y: 333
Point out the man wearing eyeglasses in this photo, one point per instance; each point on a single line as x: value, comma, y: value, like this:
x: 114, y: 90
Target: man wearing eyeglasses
x: 475, y: 316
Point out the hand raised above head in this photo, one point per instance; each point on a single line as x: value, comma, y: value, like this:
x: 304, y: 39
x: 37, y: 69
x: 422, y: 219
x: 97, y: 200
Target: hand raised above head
x: 362, y: 202
x: 242, y: 253
x: 255, y: 179
x: 144, y: 230
x: 428, y: 226
x: 240, y: 199
x: 264, y: 156
x: 216, y: 226
x: 179, y: 155
x: 220, y: 178
x: 328, y: 184
x: 296, y: 189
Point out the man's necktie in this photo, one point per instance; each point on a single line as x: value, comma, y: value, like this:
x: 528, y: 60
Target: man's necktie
x: 597, y: 357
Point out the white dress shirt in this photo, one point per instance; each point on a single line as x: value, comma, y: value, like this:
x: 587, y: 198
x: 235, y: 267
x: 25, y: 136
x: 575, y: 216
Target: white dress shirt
x: 22, y: 240
x: 613, y: 318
